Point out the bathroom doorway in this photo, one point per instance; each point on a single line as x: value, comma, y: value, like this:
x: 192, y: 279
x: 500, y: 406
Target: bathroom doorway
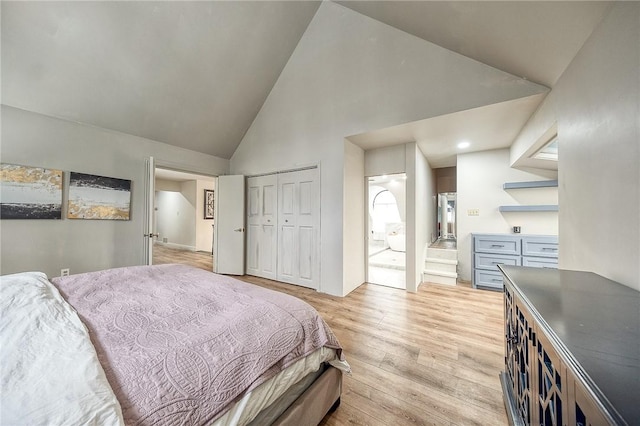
x: 386, y: 230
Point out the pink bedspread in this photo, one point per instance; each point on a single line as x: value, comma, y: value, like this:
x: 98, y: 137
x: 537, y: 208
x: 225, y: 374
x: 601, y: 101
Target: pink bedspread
x: 179, y: 344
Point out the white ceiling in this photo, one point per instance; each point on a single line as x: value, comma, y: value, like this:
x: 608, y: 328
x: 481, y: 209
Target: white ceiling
x: 195, y: 74
x: 535, y: 40
x: 191, y: 74
x: 177, y: 176
x: 489, y: 127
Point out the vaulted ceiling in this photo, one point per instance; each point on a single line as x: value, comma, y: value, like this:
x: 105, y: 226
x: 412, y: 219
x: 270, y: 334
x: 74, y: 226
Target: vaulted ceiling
x: 195, y: 74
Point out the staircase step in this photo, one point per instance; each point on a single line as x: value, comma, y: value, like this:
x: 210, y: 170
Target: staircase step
x: 442, y: 254
x: 440, y: 273
x: 442, y: 267
x: 439, y: 277
x: 441, y: 260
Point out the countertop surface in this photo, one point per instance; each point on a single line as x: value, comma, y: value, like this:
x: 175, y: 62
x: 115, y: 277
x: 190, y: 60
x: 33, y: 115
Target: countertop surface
x: 598, y: 322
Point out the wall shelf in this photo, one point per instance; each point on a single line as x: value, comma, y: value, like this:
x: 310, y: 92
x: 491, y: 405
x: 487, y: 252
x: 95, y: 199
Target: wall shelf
x: 537, y: 208
x: 533, y: 184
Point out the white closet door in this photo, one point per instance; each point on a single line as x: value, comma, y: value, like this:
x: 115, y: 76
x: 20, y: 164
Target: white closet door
x: 298, y: 228
x: 262, y: 228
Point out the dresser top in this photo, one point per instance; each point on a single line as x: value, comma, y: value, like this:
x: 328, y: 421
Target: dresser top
x: 596, y: 320
x: 480, y: 234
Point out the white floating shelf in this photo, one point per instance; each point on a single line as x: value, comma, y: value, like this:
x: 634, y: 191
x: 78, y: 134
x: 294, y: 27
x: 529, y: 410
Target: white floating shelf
x: 539, y: 208
x: 533, y: 184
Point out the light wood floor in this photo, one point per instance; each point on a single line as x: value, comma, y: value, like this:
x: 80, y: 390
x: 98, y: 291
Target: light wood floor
x: 425, y: 358
x: 200, y: 259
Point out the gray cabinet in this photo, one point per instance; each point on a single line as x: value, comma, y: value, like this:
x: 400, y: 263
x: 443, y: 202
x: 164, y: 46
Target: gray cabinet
x: 491, y: 250
x: 571, y: 349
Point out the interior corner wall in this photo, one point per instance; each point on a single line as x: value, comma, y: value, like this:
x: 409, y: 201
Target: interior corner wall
x: 33, y: 139
x: 204, y: 227
x: 175, y: 216
x: 480, y: 176
x: 424, y: 211
x: 353, y: 218
x: 351, y: 74
x: 596, y: 103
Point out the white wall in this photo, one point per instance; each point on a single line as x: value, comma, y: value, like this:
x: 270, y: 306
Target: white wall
x: 480, y: 176
x: 596, y: 104
x: 176, y: 216
x: 420, y: 192
x: 204, y: 228
x: 167, y: 185
x: 353, y: 217
x: 350, y: 74
x: 83, y: 245
x: 385, y: 161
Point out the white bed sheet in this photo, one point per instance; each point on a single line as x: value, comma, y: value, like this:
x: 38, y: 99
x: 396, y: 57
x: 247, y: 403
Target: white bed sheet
x: 248, y: 407
x: 49, y: 370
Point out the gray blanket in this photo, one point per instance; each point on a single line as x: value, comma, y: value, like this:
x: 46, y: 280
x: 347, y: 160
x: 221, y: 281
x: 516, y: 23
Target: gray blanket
x: 179, y: 344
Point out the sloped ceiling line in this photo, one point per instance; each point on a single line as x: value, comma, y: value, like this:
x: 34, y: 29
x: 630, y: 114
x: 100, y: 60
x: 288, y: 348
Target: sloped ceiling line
x: 196, y: 74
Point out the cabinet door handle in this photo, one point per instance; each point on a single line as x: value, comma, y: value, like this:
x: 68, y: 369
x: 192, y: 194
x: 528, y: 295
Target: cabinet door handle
x: 497, y: 245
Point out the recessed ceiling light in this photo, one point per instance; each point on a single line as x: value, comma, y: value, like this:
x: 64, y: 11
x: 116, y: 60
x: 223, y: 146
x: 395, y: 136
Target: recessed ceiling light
x: 463, y: 145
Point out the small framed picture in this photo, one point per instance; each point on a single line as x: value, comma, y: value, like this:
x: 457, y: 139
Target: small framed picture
x: 208, y: 204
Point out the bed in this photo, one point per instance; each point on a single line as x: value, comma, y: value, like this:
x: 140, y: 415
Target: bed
x: 166, y: 344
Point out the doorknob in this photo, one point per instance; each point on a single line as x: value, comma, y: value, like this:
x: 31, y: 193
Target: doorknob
x: 239, y: 230
x: 151, y: 235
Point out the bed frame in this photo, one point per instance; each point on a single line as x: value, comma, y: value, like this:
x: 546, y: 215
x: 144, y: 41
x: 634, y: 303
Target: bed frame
x: 322, y: 397
x: 306, y: 402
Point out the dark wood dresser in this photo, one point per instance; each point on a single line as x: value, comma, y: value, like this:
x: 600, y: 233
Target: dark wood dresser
x: 572, y: 350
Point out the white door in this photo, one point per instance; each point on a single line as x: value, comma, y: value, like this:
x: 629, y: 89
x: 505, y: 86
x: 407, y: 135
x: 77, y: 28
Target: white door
x: 229, y: 225
x: 149, y: 211
x: 262, y: 231
x: 298, y: 228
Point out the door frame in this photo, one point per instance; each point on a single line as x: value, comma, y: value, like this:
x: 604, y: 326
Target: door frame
x: 151, y: 164
x: 367, y: 231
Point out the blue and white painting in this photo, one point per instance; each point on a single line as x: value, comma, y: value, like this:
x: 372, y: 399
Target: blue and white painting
x: 98, y: 197
x: 30, y: 192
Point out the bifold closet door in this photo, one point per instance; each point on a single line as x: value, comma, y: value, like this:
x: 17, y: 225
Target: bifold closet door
x: 298, y: 228
x: 262, y: 229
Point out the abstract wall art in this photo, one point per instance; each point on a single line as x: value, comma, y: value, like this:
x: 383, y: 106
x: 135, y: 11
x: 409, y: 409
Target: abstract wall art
x: 98, y: 197
x: 30, y: 192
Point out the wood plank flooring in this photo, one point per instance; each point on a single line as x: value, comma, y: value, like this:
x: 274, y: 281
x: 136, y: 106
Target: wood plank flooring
x: 425, y: 358
x: 163, y: 254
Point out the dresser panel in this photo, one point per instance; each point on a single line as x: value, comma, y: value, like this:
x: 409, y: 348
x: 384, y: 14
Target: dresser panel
x: 498, y: 244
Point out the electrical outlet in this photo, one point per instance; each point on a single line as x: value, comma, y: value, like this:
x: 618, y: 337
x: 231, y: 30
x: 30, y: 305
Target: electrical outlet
x: 64, y: 272
x: 473, y: 212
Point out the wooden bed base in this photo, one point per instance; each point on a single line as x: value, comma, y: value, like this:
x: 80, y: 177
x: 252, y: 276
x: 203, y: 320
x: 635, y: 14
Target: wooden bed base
x: 320, y: 398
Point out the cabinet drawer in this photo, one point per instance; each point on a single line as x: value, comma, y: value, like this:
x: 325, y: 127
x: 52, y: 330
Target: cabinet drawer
x: 540, y: 262
x: 488, y: 279
x: 498, y: 244
x: 540, y: 246
x: 491, y: 261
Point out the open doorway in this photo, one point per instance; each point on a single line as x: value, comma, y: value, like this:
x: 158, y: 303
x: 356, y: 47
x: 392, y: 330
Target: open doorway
x: 447, y: 216
x: 183, y: 220
x: 386, y: 230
